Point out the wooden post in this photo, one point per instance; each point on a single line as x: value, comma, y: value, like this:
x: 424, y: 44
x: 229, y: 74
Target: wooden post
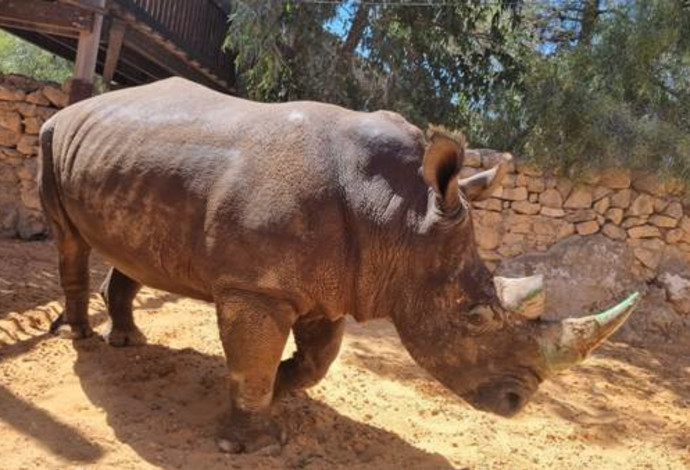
x: 87, y: 54
x: 115, y: 39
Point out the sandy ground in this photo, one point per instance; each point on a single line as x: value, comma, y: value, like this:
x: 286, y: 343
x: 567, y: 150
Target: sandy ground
x: 89, y: 406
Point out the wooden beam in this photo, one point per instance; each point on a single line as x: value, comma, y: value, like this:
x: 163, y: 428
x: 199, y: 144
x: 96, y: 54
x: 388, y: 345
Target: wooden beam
x: 87, y: 55
x: 165, y: 59
x: 38, y: 14
x: 116, y: 37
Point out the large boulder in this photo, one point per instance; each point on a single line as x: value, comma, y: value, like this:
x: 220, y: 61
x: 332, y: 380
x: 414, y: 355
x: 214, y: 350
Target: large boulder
x: 587, y: 274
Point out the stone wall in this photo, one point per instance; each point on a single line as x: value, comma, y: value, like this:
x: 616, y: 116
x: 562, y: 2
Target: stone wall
x: 534, y: 210
x: 25, y: 104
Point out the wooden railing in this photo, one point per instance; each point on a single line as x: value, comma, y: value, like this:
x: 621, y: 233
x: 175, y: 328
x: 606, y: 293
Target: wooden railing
x: 197, y: 27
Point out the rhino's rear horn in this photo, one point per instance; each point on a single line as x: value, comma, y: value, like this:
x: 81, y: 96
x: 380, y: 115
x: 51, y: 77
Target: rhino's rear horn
x: 523, y: 295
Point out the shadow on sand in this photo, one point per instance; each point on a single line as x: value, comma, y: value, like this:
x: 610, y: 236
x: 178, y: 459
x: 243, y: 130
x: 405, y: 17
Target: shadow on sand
x: 165, y: 404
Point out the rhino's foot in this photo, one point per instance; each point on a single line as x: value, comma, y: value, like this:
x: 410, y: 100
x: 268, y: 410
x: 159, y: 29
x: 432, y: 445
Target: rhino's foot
x: 264, y: 440
x: 121, y: 338
x: 61, y: 328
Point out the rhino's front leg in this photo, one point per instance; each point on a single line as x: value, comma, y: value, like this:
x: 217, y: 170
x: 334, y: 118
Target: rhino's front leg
x: 318, y: 343
x: 253, y: 329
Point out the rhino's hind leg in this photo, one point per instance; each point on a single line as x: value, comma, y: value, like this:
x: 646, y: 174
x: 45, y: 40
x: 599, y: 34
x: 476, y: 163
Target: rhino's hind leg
x: 73, y: 254
x: 118, y: 292
x: 253, y: 329
x: 318, y: 342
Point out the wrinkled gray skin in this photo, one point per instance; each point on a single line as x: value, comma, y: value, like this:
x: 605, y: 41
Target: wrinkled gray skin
x: 286, y: 217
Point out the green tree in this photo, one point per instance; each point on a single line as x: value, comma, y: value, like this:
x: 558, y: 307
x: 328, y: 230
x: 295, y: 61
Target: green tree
x: 19, y: 56
x: 429, y: 62
x: 614, y: 92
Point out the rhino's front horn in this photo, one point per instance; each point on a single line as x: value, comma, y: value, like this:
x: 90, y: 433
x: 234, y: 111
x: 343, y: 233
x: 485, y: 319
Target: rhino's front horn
x: 523, y: 295
x: 569, y: 342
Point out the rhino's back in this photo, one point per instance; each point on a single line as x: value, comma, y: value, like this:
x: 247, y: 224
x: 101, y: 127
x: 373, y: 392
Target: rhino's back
x: 178, y: 185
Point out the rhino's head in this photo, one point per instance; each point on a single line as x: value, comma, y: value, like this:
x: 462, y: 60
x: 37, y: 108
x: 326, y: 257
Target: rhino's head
x: 482, y: 336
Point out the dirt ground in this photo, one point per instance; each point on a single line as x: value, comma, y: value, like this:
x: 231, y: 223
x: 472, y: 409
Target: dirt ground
x: 89, y: 406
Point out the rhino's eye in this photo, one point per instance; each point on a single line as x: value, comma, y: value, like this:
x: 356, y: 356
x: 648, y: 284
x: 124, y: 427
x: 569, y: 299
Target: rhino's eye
x: 476, y: 319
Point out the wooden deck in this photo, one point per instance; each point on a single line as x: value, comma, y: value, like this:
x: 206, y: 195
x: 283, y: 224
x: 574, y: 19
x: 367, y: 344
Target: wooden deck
x: 138, y: 41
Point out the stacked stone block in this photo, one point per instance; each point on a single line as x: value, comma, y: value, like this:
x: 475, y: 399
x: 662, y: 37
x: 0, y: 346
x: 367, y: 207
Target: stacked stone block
x: 533, y: 210
x: 25, y: 104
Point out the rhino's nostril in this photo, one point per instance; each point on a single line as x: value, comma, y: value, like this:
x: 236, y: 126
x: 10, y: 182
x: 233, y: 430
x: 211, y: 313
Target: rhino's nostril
x: 514, y: 400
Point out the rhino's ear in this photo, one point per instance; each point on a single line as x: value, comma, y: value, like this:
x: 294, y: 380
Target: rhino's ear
x: 480, y: 186
x: 442, y: 163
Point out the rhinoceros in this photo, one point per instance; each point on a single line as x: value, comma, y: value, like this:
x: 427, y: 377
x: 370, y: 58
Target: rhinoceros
x: 290, y: 217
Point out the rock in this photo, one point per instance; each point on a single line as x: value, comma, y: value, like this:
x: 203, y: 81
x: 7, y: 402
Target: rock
x: 59, y: 98
x: 510, y: 251
x: 634, y: 222
x: 45, y: 113
x: 533, y: 198
x: 524, y: 207
x: 663, y: 221
x: 582, y: 215
x: 37, y: 98
x: 644, y: 231
x: 615, y: 178
x: 551, y: 198
x: 29, y: 195
x: 674, y: 236
x: 11, y: 94
x: 642, y: 205
x: 486, y: 229
x: 599, y: 270
x: 490, y: 204
x: 9, y: 218
x: 660, y: 204
x: 11, y: 120
x: 674, y: 209
x: 550, y: 182
x: 649, y: 183
x: 602, y: 205
x: 587, y: 228
x: 491, y: 158
x: 517, y: 223
x: 621, y: 199
x: 674, y: 278
x: 9, y: 138
x: 615, y: 215
x: 600, y: 192
x: 535, y: 184
x: 649, y: 258
x: 26, y: 109
x: 21, y: 82
x: 529, y: 169
x: 579, y: 198
x: 31, y: 227
x: 28, y: 144
x: 551, y: 212
x: 614, y: 232
x: 685, y: 223
x: 27, y: 171
x: 564, y: 187
x: 32, y: 125
x: 513, y: 194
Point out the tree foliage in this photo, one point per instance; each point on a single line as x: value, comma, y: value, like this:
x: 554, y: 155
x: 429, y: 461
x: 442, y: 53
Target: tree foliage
x: 573, y: 83
x: 19, y: 56
x: 431, y: 63
x: 617, y: 92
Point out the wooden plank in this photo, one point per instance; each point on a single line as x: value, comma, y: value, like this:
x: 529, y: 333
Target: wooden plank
x: 116, y: 37
x: 165, y: 59
x: 41, y: 14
